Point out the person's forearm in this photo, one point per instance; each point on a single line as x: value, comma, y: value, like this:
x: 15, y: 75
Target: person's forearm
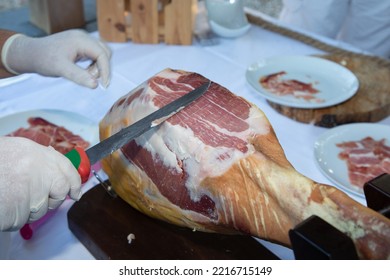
x: 4, y: 35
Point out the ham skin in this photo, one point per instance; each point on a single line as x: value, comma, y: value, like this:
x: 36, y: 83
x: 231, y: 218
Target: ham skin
x: 217, y: 166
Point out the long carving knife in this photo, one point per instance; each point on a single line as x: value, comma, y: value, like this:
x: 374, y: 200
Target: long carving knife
x: 82, y: 160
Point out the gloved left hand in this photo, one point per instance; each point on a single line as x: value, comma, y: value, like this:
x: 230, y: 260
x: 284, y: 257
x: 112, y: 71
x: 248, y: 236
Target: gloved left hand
x: 56, y: 56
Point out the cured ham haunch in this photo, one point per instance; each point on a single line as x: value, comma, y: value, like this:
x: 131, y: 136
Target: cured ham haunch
x: 217, y: 166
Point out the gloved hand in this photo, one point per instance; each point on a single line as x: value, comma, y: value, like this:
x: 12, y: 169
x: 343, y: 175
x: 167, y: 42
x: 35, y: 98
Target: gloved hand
x: 33, y: 179
x: 56, y: 56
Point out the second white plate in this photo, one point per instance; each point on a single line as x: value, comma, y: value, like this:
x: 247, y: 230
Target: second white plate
x: 335, y: 83
x: 326, y: 152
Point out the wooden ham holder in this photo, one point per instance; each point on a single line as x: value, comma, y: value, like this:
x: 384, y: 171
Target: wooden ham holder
x: 102, y: 224
x: 147, y: 21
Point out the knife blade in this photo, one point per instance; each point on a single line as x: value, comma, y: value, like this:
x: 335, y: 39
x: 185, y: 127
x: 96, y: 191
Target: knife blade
x: 83, y: 159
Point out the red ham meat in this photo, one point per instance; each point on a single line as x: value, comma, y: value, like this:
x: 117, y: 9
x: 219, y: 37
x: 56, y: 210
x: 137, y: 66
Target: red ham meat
x: 49, y: 134
x: 217, y: 166
x: 366, y: 159
x: 277, y: 85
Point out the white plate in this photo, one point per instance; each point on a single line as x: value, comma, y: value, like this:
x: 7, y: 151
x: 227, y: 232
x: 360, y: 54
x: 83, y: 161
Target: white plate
x: 334, y: 82
x: 75, y: 123
x: 326, y: 152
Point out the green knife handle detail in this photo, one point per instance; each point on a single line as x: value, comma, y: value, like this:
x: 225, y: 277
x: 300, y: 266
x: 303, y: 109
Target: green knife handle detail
x: 80, y: 161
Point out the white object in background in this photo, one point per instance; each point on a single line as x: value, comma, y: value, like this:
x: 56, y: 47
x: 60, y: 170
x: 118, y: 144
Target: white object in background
x: 360, y: 23
x: 227, y: 17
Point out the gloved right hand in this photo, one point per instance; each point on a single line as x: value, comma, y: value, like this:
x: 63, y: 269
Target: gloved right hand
x: 33, y: 179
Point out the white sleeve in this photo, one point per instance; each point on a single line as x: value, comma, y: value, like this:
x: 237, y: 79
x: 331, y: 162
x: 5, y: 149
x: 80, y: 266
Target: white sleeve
x: 368, y: 26
x: 323, y: 17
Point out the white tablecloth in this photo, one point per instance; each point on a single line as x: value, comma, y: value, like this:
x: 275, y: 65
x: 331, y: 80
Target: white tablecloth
x: 224, y: 63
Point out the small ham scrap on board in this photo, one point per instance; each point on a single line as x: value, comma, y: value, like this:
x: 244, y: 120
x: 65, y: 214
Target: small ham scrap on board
x: 217, y: 166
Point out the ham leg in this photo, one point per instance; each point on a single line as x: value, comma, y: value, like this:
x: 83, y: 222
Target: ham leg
x: 217, y: 166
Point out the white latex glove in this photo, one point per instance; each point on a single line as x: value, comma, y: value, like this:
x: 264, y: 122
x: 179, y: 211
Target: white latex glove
x: 56, y: 56
x: 33, y: 179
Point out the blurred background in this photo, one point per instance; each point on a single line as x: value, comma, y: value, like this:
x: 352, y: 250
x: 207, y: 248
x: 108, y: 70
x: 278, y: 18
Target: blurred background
x: 14, y: 14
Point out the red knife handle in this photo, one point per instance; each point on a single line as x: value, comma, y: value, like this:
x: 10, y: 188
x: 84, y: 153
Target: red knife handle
x: 80, y: 161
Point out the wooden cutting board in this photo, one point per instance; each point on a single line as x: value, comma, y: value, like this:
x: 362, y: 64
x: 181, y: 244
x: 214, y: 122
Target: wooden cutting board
x: 370, y: 104
x: 102, y: 224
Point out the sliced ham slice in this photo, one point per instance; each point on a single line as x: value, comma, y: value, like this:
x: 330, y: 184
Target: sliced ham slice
x: 275, y: 84
x: 366, y: 159
x: 217, y: 166
x: 49, y: 134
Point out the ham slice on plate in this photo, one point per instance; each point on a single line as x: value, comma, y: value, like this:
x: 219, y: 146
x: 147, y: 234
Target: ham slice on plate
x: 49, y: 134
x: 217, y: 166
x: 366, y: 159
x: 279, y: 86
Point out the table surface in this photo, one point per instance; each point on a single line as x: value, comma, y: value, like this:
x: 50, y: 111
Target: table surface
x: 224, y: 63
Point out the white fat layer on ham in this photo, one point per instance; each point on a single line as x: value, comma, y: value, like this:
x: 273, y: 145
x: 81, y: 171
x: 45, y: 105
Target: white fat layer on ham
x: 364, y: 159
x: 142, y: 106
x: 175, y: 145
